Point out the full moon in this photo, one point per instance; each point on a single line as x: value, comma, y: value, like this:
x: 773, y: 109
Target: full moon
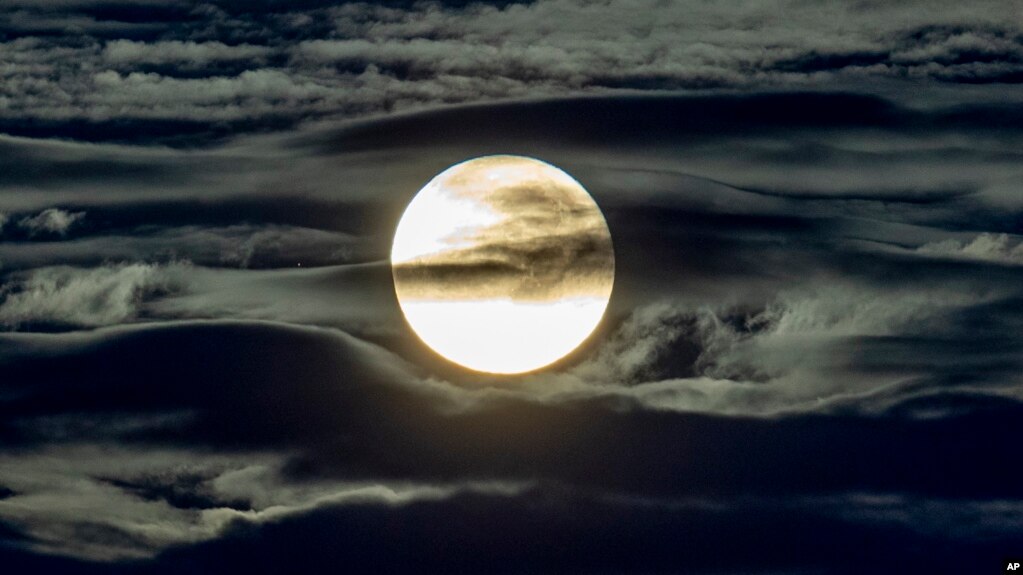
x: 503, y: 264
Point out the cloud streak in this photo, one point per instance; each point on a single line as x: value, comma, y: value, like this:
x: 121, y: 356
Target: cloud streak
x: 105, y: 504
x: 50, y: 221
x: 66, y: 296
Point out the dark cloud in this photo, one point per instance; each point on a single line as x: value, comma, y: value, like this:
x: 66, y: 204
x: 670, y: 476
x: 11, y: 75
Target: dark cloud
x: 185, y: 491
x: 576, y: 262
x: 351, y: 415
x: 200, y: 68
x: 549, y: 239
x: 554, y: 529
x: 652, y: 120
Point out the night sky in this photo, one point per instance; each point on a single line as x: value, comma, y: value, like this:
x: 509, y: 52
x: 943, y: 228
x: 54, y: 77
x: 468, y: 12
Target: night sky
x: 812, y: 361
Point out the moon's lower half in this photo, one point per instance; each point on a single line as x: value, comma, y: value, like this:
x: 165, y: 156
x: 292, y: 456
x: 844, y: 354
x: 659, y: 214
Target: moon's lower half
x: 503, y: 264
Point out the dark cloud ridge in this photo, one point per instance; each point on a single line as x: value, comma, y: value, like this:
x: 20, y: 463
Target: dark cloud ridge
x: 351, y: 421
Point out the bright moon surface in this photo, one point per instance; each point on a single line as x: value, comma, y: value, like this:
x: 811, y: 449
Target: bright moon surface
x: 503, y: 264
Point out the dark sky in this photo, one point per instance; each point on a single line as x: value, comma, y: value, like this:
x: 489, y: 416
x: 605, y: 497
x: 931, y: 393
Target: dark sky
x: 811, y: 363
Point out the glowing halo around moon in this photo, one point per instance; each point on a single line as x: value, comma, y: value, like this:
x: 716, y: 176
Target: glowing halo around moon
x: 503, y: 264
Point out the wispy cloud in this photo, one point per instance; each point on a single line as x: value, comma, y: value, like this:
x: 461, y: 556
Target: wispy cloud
x: 100, y: 503
x: 50, y: 221
x: 998, y: 248
x: 84, y: 297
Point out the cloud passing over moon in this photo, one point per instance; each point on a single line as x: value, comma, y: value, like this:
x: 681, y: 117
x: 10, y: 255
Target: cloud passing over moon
x: 503, y: 264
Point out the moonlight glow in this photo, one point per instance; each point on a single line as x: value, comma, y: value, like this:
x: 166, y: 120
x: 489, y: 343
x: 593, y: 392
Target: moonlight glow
x: 503, y: 264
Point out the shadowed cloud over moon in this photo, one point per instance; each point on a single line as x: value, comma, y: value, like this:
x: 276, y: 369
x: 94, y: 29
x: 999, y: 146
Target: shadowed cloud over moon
x: 503, y: 264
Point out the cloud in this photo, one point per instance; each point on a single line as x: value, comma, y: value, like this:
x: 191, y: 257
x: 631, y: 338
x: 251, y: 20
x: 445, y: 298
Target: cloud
x: 804, y: 351
x: 997, y: 248
x: 240, y: 246
x: 186, y: 54
x: 545, y: 239
x: 641, y: 43
x: 109, y: 504
x: 221, y: 64
x: 106, y: 522
x: 151, y: 95
x: 924, y: 165
x: 1004, y: 195
x: 50, y: 221
x: 646, y: 531
x: 172, y: 436
x: 84, y: 297
x: 797, y: 335
x: 401, y: 538
x: 296, y: 295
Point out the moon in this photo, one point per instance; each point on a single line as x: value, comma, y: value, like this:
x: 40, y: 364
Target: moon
x: 503, y: 264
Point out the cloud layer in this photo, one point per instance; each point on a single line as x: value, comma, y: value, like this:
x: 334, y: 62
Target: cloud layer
x: 815, y: 323
x: 175, y: 65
